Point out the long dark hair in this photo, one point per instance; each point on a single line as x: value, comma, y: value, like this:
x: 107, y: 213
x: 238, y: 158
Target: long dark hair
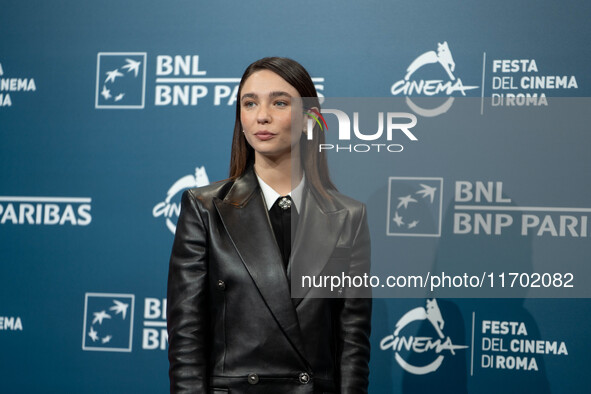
x: 313, y: 162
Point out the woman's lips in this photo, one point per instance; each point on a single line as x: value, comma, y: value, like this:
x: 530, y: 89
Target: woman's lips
x: 264, y: 135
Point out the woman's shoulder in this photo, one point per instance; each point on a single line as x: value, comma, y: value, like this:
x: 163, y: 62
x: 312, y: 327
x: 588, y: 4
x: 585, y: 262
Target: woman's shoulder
x: 339, y: 201
x: 206, y: 194
x: 345, y: 201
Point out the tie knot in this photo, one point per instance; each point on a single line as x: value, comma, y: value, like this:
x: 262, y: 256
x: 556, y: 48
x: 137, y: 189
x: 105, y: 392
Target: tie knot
x: 284, y: 202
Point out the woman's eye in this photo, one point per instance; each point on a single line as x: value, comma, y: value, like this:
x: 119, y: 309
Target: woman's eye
x: 248, y: 104
x: 281, y: 103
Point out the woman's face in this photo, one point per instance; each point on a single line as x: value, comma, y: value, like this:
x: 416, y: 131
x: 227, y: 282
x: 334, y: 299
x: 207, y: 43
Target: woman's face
x: 265, y: 112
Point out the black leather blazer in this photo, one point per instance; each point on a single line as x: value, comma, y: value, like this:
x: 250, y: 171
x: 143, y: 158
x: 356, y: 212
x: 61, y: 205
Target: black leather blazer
x: 232, y: 324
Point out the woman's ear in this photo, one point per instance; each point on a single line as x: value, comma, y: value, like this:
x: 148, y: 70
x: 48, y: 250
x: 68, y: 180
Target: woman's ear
x: 310, y: 115
x: 314, y: 116
x: 314, y: 109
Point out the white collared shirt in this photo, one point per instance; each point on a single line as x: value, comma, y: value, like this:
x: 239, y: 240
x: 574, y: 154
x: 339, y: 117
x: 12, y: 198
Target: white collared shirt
x: 270, y: 195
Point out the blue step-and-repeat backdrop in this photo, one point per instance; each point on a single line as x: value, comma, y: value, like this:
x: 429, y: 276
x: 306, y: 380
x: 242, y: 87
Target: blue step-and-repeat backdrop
x: 110, y: 109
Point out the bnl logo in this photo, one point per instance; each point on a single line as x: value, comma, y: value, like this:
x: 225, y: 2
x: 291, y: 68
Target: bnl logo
x: 120, y: 80
x: 414, y: 206
x: 108, y: 322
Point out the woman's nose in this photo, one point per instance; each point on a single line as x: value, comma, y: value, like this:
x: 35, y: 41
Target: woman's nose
x: 263, y: 115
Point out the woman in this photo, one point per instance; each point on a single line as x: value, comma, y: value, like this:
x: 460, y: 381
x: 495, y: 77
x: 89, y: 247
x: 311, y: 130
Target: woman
x: 233, y: 324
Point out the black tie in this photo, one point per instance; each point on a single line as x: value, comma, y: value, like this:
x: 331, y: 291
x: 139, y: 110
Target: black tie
x: 282, y: 214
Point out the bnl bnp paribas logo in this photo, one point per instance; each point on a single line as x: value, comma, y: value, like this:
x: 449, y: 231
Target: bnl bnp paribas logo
x: 120, y: 80
x: 177, y: 80
x: 443, y: 81
x: 414, y: 206
x: 45, y: 211
x: 431, y: 350
x: 108, y: 322
x: 170, y: 208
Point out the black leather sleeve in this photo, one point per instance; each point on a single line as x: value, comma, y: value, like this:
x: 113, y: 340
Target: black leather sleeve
x: 187, y: 318
x: 355, y: 319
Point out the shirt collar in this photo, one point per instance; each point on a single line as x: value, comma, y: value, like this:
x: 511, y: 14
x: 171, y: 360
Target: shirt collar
x: 271, y: 195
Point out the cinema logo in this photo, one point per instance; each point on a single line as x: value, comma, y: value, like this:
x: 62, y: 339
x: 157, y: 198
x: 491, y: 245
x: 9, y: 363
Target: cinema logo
x: 11, y: 323
x: 10, y: 86
x: 507, y: 345
x: 518, y: 83
x: 181, y: 82
x: 389, y: 124
x: 46, y: 211
x: 438, y: 346
x: 170, y: 208
x: 431, y: 87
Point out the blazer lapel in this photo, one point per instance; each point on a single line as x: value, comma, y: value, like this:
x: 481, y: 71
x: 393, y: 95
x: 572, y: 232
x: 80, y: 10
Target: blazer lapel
x: 245, y: 218
x: 316, y: 237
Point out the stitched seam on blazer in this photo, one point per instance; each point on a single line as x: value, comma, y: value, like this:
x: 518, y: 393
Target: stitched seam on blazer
x: 224, y: 328
x: 361, y: 216
x: 197, y: 202
x: 198, y: 205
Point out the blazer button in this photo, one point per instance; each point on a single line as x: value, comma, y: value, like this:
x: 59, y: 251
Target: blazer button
x: 304, y: 378
x: 221, y: 285
x: 253, y: 378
